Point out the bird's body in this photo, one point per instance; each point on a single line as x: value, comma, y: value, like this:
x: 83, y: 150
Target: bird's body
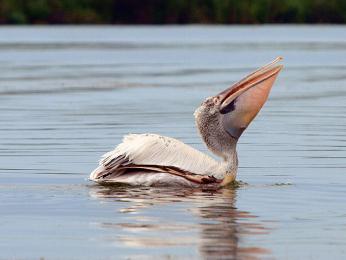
x: 150, y: 159
x: 144, y: 159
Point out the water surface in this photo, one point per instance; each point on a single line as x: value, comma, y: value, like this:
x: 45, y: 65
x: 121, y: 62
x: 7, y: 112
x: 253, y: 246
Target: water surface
x: 69, y: 94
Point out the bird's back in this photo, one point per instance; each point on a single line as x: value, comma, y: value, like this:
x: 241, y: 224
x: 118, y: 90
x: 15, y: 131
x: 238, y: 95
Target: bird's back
x: 142, y: 151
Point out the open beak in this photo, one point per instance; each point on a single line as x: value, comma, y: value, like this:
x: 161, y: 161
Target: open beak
x: 240, y: 103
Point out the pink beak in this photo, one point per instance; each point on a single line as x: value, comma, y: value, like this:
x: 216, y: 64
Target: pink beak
x: 240, y: 103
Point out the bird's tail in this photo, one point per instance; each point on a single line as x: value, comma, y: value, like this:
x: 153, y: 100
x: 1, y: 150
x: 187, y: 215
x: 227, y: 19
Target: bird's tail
x: 98, y: 173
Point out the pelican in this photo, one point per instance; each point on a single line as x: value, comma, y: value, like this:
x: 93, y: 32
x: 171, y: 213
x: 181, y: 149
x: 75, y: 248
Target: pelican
x: 154, y: 160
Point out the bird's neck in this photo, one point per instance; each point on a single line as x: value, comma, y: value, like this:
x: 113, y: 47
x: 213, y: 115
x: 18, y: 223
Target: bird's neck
x: 227, y: 167
x: 229, y: 163
x: 219, y: 142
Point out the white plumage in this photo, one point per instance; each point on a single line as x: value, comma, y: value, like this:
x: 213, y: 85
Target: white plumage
x: 152, y: 149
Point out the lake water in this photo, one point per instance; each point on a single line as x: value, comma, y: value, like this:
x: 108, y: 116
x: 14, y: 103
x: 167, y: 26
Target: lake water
x: 69, y: 94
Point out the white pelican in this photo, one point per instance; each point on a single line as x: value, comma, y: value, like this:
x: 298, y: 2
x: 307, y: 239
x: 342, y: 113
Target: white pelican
x: 154, y: 160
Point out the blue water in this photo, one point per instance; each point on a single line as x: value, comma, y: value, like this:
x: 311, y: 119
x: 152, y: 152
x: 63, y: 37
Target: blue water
x: 69, y: 94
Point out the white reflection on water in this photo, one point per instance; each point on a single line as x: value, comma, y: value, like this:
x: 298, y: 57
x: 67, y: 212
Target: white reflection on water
x: 216, y: 233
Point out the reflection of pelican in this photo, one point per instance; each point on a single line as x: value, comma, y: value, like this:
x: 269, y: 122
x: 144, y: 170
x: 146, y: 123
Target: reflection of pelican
x: 206, y: 220
x: 155, y: 160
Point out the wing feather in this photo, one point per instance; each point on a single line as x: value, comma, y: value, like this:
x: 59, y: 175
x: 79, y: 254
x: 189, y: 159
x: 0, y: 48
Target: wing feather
x: 152, y: 149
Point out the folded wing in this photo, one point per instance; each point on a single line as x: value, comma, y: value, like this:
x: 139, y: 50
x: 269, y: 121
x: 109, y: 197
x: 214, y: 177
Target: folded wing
x: 143, y: 153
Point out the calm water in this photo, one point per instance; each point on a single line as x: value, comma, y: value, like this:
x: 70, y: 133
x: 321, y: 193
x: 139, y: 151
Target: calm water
x: 69, y: 94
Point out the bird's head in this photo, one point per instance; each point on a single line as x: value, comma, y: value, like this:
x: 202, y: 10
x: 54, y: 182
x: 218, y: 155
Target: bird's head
x: 222, y: 119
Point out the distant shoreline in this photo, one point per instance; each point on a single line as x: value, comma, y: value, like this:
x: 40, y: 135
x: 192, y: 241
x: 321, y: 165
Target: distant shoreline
x: 172, y: 12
